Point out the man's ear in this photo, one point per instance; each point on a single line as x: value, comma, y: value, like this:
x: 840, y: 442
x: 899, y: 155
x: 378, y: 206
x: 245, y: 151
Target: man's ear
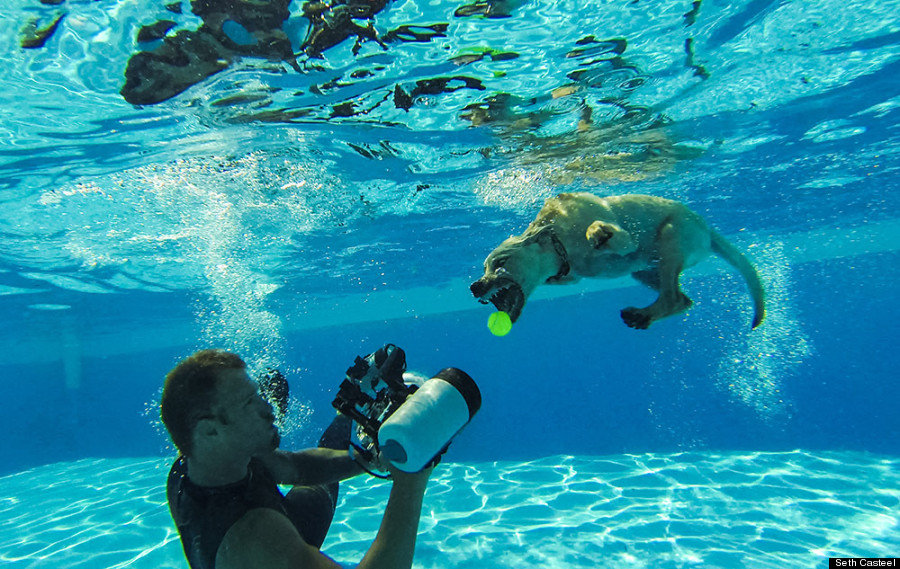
x: 206, y: 428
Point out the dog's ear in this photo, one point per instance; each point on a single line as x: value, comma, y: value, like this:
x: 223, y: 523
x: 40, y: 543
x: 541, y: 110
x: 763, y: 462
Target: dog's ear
x: 610, y: 237
x: 542, y: 235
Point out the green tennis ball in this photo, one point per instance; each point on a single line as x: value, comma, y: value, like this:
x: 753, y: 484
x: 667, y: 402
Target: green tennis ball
x: 499, y: 323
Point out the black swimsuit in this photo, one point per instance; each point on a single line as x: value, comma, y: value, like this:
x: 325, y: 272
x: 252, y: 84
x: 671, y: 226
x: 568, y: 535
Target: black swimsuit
x: 204, y: 515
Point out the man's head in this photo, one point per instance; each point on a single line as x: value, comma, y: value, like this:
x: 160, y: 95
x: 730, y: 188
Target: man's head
x: 209, y: 393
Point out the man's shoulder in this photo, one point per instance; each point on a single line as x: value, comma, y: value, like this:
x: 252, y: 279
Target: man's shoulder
x: 179, y: 465
x: 177, y: 475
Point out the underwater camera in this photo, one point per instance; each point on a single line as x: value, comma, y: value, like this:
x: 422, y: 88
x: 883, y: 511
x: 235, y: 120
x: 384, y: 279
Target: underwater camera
x: 411, y: 425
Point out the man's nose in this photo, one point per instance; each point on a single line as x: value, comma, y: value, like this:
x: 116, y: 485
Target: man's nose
x: 265, y: 409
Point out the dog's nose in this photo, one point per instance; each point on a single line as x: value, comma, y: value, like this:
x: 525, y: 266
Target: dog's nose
x: 478, y: 288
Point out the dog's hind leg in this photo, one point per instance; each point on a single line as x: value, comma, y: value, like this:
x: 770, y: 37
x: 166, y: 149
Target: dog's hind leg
x: 647, y: 277
x: 671, y: 300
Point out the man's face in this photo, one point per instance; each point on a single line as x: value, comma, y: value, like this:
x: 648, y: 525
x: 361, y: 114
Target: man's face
x: 249, y: 422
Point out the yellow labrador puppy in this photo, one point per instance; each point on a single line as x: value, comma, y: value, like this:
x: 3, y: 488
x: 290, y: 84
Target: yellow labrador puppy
x: 581, y: 235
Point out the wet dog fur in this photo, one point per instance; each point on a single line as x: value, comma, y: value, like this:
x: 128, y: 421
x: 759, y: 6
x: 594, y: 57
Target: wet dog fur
x: 579, y: 235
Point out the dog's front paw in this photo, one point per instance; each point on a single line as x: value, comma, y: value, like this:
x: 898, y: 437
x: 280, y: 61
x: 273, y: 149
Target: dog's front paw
x: 636, y: 318
x: 598, y: 234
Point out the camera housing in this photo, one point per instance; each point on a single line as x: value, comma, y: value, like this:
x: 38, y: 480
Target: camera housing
x: 410, y: 425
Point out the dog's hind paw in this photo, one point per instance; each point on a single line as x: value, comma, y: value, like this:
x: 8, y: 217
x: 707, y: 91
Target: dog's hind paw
x: 635, y: 318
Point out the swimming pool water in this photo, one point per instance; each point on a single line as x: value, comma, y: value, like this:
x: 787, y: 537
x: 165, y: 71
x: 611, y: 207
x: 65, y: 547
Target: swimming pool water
x: 697, y: 509
x: 303, y: 216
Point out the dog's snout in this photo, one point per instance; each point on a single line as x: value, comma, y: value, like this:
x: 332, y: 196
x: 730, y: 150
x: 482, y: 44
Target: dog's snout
x: 478, y: 288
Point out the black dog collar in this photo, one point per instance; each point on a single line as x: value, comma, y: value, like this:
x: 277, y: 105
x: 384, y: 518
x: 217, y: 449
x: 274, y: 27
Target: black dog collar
x: 563, y: 255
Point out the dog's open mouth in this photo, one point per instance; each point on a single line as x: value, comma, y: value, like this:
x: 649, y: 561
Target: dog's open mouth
x: 504, y: 293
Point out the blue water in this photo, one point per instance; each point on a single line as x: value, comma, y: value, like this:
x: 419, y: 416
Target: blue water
x: 694, y: 509
x: 303, y: 218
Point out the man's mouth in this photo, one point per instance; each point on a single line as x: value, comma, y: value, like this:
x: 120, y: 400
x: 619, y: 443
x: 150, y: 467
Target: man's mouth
x: 504, y: 293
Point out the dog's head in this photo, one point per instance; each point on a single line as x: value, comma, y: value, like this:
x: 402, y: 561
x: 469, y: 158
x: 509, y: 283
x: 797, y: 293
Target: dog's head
x: 513, y: 270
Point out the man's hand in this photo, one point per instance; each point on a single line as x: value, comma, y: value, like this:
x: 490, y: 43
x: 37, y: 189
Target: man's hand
x: 414, y: 481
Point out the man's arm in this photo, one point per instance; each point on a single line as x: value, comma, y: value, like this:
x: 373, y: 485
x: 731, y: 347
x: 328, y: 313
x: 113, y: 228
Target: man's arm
x: 395, y: 543
x: 266, y: 538
x: 310, y: 467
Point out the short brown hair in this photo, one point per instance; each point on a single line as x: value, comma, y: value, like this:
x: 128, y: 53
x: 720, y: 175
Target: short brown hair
x: 189, y: 390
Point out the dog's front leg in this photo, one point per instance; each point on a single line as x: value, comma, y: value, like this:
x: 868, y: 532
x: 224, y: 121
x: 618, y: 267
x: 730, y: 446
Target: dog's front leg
x: 598, y: 234
x: 609, y: 237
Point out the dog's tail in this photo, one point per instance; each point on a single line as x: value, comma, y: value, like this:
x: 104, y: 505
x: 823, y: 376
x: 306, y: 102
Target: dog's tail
x: 739, y: 261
